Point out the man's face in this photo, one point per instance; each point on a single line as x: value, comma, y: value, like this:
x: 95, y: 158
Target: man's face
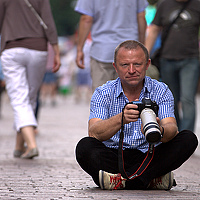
x: 131, y: 66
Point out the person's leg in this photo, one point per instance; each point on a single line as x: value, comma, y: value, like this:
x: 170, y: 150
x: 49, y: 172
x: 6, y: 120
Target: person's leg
x: 101, y: 73
x: 92, y: 155
x: 16, y: 63
x: 35, y: 71
x: 189, y: 76
x: 170, y: 156
x: 169, y: 72
x: 19, y: 142
x: 13, y: 62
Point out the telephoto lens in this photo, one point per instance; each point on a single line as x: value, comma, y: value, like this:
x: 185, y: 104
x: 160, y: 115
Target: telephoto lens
x: 150, y: 126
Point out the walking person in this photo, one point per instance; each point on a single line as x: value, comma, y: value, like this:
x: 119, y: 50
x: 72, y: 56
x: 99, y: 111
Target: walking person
x: 179, y: 60
x: 23, y: 58
x: 110, y: 23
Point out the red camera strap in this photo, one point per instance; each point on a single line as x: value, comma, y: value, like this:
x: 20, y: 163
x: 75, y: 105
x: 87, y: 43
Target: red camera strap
x: 143, y: 165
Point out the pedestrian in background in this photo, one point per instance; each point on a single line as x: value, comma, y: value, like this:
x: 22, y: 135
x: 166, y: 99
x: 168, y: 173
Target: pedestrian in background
x: 83, y: 76
x: 179, y: 62
x: 23, y: 57
x: 110, y: 22
x: 50, y: 81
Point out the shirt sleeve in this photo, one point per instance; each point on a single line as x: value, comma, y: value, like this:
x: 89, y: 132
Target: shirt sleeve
x: 47, y: 17
x: 157, y: 19
x: 141, y: 5
x: 85, y: 7
x: 99, y: 105
x: 166, y: 104
x: 162, y: 95
x: 2, y: 12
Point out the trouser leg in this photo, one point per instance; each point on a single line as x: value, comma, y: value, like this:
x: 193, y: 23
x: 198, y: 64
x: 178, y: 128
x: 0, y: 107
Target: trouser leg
x: 189, y: 71
x: 35, y: 72
x: 170, y: 75
x: 101, y: 73
x: 170, y: 156
x: 93, y: 155
x: 23, y: 70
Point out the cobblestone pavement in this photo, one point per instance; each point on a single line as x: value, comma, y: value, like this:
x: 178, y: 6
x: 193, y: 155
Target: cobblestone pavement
x: 55, y: 173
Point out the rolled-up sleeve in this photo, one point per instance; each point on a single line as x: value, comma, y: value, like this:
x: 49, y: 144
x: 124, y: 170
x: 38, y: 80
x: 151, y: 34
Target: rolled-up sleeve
x: 98, y: 106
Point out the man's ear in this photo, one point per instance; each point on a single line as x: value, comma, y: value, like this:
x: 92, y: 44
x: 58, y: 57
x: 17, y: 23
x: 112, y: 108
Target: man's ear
x: 148, y: 64
x: 115, y: 66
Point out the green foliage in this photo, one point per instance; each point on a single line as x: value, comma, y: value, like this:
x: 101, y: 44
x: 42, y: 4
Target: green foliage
x: 66, y: 19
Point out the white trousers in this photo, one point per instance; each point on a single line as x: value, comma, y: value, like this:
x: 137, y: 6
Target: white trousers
x: 23, y: 70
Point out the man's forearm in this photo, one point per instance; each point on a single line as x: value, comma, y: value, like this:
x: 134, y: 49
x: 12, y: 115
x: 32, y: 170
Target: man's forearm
x: 152, y: 35
x: 105, y: 129
x: 142, y: 25
x: 170, y: 130
x: 85, y: 25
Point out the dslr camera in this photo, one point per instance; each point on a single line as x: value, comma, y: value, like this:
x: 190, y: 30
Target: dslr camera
x: 148, y: 111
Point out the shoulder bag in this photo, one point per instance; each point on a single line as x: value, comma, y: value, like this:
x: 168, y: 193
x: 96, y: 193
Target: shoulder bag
x: 36, y: 14
x: 155, y: 58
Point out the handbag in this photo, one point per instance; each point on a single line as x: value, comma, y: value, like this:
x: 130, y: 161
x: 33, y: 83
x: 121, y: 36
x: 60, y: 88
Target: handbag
x: 155, y: 58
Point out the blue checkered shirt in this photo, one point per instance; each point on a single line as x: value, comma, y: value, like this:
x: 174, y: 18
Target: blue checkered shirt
x: 109, y: 99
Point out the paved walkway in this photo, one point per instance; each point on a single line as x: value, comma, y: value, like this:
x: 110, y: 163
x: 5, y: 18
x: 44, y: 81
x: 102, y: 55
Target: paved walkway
x: 55, y: 173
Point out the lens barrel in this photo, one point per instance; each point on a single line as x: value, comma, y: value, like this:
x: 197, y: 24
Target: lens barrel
x: 150, y: 126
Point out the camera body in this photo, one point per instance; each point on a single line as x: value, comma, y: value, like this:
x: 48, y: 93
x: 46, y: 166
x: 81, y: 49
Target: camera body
x: 148, y: 111
x: 146, y: 103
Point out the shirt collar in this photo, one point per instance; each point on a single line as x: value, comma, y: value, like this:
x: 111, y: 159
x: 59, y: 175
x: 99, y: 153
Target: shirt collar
x: 119, y: 90
x: 146, y: 89
x: 147, y: 85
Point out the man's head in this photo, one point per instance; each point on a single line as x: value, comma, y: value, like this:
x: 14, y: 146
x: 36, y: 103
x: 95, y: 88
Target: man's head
x: 131, y: 60
x: 130, y: 45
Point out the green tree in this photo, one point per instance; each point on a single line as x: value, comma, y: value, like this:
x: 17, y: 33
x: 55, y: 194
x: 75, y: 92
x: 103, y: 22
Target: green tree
x: 66, y: 19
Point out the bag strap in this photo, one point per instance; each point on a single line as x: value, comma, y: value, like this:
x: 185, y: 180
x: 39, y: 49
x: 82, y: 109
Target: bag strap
x: 170, y: 25
x: 145, y: 162
x: 36, y: 14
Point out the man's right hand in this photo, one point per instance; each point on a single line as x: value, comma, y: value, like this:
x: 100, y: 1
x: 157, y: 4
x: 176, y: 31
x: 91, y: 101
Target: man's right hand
x: 131, y: 114
x: 80, y: 59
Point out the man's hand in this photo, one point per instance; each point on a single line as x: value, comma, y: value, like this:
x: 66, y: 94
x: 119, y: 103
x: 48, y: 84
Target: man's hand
x: 57, y: 63
x: 131, y: 114
x: 80, y: 59
x: 168, y: 127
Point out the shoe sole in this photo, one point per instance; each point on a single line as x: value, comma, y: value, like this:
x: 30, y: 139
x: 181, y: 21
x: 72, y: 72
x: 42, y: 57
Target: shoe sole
x: 101, y: 179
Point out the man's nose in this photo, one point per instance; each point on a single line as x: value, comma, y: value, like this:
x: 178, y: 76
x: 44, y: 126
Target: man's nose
x: 131, y: 68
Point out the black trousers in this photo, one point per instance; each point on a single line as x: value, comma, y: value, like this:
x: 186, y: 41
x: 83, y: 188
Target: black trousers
x: 92, y: 155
